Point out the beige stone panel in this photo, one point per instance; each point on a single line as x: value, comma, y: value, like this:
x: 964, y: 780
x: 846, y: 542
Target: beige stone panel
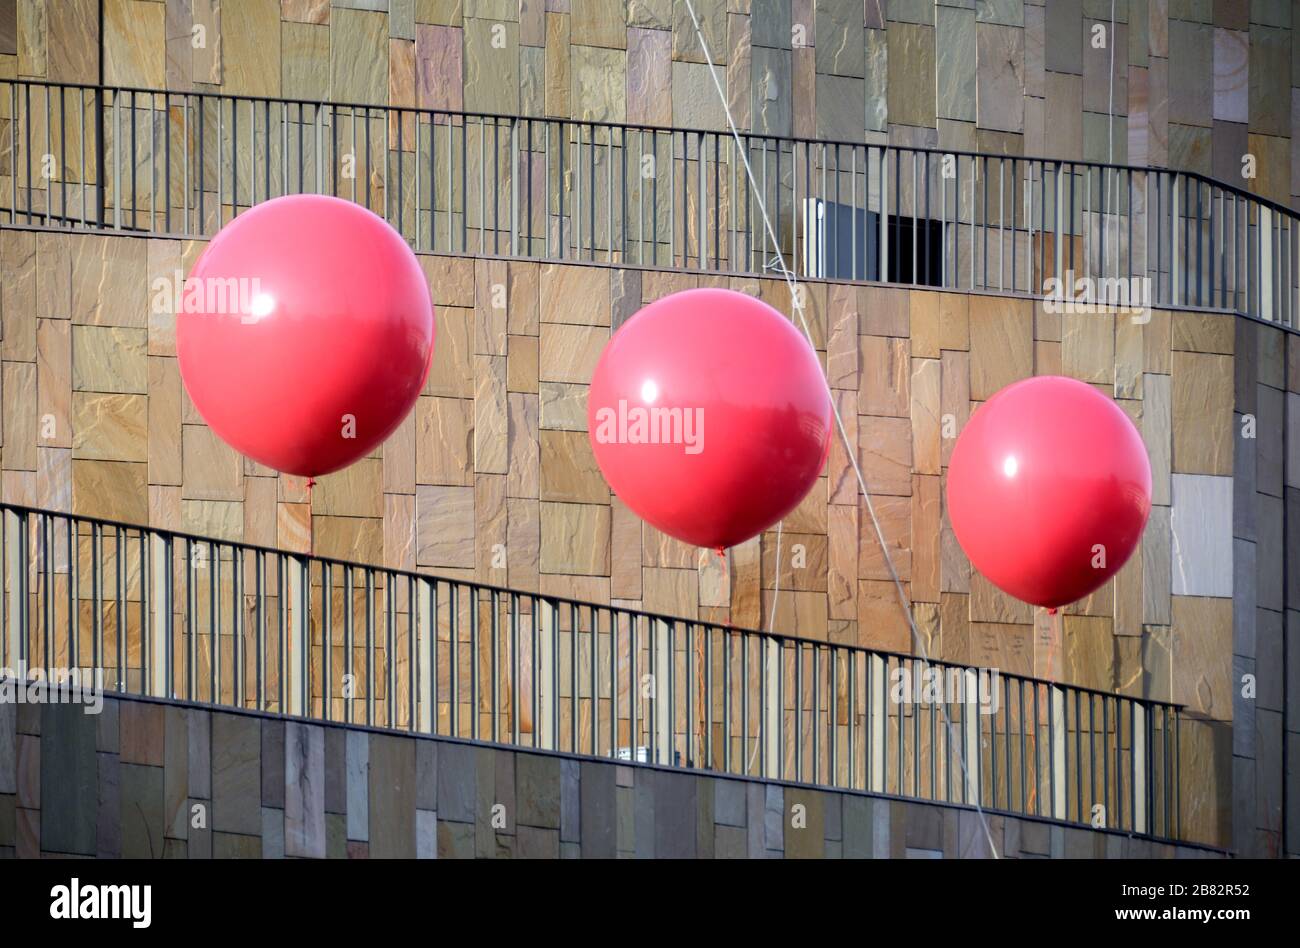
x: 110, y: 359
x: 21, y: 424
x: 250, y: 47
x: 842, y: 344
x: 1127, y: 590
x: 625, y: 552
x: 569, y: 470
x: 569, y: 353
x: 492, y: 304
x: 164, y: 422
x: 1203, y: 332
x: 885, y: 376
x: 18, y: 295
x: 842, y: 562
x: 659, y: 549
x: 1088, y: 346
x: 1129, y: 357
x: 1047, y: 358
x: 523, y: 542
x: 490, y: 411
x: 348, y: 538
x: 111, y: 490
x: 894, y: 515
x: 1157, y: 433
x: 525, y: 298
x: 882, y: 623
x: 745, y: 561
x: 926, y: 335
x: 164, y: 262
x: 293, y: 527
x: 355, y: 491
x: 53, y: 276
x: 491, y: 529
x: 358, y: 56
x: 399, y: 458
x: 575, y: 539
x: 715, y: 586
x: 165, y: 507
x: 451, y: 281
x: 306, y: 11
x: 885, y: 446
x: 109, y: 281
x: 1001, y: 344
x: 598, y: 23
x: 521, y: 364
x: 452, y: 369
x: 810, y: 514
x: 259, y: 511
x: 1205, y: 768
x: 445, y: 526
x: 524, y: 477
x: 574, y: 294
x: 1202, y: 413
x: 218, y: 519
x: 399, y: 531
x: 135, y: 43
x: 803, y: 561
x: 841, y: 479
x: 1089, y: 652
x: 1157, y: 342
x: 1004, y: 646
x: 926, y: 539
x: 990, y: 604
x: 444, y: 433
x: 557, y: 64
x: 797, y: 613
x: 54, y: 382
x: 212, y: 469
x: 927, y: 442
x: 110, y: 427
x: 671, y: 592
x: 884, y: 311
x: 564, y: 406
x: 207, y: 56
x: 1157, y: 567
x: 954, y: 400
x: 304, y: 60
x: 54, y: 479
x: 1202, y: 655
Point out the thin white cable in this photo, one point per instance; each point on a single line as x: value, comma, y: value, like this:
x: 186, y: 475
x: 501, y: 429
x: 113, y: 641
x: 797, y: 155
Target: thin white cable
x: 850, y: 449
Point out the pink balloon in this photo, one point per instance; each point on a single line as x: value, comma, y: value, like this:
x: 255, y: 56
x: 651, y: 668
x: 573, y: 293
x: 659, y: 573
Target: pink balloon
x: 709, y: 416
x: 1049, y: 489
x: 305, y: 333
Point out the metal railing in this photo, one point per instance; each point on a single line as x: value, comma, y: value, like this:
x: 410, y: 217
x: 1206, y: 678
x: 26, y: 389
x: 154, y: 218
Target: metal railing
x: 184, y: 163
x: 166, y: 614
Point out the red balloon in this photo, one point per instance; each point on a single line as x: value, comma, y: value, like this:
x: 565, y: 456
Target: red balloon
x: 709, y: 416
x: 1049, y: 489
x: 305, y: 333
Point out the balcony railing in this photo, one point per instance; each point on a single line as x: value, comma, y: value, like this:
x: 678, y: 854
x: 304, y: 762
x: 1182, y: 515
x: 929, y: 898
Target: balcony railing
x: 185, y: 163
x: 165, y: 614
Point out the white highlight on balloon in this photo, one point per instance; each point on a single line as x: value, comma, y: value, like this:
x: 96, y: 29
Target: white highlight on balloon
x: 1010, y: 466
x: 649, y: 391
x: 262, y: 305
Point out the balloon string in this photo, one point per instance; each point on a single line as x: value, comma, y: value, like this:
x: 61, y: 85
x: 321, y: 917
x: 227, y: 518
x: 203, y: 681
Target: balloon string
x: 851, y: 448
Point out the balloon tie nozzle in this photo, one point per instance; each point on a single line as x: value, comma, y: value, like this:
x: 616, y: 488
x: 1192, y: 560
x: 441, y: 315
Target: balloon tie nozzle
x: 721, y: 551
x: 1051, y: 610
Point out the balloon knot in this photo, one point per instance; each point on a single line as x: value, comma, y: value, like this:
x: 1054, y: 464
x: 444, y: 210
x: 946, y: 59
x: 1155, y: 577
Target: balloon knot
x: 311, y: 482
x: 721, y: 551
x: 1051, y: 610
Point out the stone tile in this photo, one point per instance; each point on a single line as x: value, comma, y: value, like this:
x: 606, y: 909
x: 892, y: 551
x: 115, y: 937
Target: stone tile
x: 569, y: 353
x: 1202, y: 413
x: 304, y: 789
x: 911, y: 74
x: 358, y: 786
x: 1202, y: 642
x: 1201, y: 524
x: 236, y: 774
x: 1001, y: 344
x: 445, y: 526
x: 140, y: 791
x: 359, y: 56
x: 392, y: 797
x: 109, y: 359
x: 135, y: 42
x: 68, y: 780
x: 569, y: 470
x: 575, y: 539
x: 1001, y: 77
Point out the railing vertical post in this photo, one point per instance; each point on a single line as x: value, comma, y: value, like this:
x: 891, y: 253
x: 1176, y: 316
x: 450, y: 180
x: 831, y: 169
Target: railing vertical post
x: 297, y: 668
x: 427, y: 630
x: 161, y: 682
x: 546, y: 659
x: 1057, y: 751
x: 15, y: 534
x: 1141, y: 774
x: 877, y: 717
x: 772, y: 708
x: 971, y: 723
